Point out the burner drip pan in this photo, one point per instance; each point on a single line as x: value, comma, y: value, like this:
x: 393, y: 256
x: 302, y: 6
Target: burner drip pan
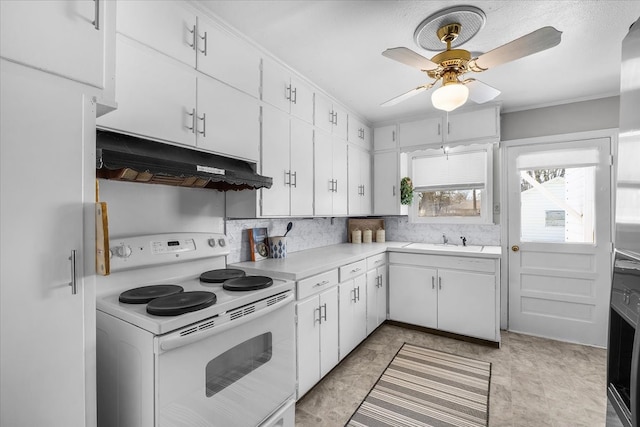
x: 184, y: 302
x: 145, y: 294
x: 248, y: 283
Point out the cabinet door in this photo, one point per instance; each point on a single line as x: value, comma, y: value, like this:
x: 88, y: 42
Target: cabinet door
x: 365, y: 178
x: 55, y: 36
x: 275, y: 161
x: 147, y: 105
x: 228, y: 120
x: 472, y: 125
x: 323, y: 117
x: 276, y: 85
x: 421, y: 132
x: 372, y: 300
x: 301, y: 147
x: 339, y: 156
x: 360, y: 310
x: 386, y: 196
x: 46, y: 336
x: 166, y: 26
x: 384, y: 138
x: 355, y: 184
x: 381, y: 306
x: 472, y: 294
x: 308, y: 330
x: 323, y: 174
x: 413, y: 296
x: 347, y: 308
x: 301, y: 100
x: 329, y: 353
x: 228, y: 58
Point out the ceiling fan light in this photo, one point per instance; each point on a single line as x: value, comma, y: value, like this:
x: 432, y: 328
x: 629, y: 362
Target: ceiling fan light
x: 450, y: 97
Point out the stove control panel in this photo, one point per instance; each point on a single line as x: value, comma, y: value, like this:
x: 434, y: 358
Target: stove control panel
x: 160, y: 249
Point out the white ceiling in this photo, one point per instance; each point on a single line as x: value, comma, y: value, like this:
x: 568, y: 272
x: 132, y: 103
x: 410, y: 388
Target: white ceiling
x: 338, y: 44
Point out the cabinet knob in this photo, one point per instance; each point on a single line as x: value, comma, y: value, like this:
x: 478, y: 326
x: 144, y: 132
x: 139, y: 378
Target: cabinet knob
x: 515, y: 248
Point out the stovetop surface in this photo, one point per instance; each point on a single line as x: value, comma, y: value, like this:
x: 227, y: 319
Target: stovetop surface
x: 136, y: 314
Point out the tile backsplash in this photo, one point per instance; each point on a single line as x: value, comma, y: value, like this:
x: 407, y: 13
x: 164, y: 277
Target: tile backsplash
x: 308, y: 233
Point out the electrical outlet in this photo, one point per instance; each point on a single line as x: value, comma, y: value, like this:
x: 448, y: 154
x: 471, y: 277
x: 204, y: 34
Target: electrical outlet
x: 496, y: 208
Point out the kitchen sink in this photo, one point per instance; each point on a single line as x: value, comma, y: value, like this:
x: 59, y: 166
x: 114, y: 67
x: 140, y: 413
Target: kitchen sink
x: 447, y: 247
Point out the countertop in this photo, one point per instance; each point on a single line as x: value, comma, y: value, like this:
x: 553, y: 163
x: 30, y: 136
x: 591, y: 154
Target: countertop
x: 298, y: 265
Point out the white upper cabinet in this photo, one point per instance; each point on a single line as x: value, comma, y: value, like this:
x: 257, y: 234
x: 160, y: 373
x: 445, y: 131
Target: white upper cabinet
x: 282, y: 89
x: 358, y: 133
x: 166, y: 26
x: 385, y: 138
x: 386, y: 181
x: 330, y: 174
x: 330, y: 117
x: 147, y: 105
x: 184, y: 34
x: 421, y: 132
x: 473, y: 125
x: 227, y: 57
x: 60, y: 37
x: 359, y: 181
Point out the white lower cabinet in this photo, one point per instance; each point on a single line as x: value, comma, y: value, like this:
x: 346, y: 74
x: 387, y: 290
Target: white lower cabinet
x: 453, y: 294
x: 376, y: 291
x: 353, y: 314
x: 317, y: 338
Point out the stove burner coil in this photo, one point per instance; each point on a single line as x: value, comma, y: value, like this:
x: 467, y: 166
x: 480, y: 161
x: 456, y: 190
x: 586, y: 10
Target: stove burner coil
x: 184, y: 302
x: 248, y: 283
x: 145, y: 294
x: 220, y: 275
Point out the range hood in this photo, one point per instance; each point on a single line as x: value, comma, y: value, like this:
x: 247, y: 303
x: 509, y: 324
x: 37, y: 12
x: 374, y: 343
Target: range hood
x: 127, y: 158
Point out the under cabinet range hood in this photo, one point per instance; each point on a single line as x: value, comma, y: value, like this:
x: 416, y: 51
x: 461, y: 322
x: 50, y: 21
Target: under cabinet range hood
x: 128, y: 158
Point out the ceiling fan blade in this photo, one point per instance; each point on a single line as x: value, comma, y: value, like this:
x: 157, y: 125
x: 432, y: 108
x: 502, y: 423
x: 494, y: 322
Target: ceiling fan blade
x: 407, y: 95
x: 480, y: 92
x: 410, y: 58
x: 537, y: 41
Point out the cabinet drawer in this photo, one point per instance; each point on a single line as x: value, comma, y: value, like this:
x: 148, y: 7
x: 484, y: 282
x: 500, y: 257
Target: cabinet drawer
x: 481, y: 265
x: 352, y: 270
x: 317, y: 283
x: 376, y: 261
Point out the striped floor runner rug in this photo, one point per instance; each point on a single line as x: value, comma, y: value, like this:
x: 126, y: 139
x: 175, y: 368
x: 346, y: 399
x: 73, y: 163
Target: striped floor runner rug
x: 423, y: 387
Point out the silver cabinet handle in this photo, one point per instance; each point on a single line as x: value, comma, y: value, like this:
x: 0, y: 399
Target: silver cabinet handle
x: 324, y: 282
x: 355, y: 270
x: 363, y: 189
x: 317, y: 319
x: 205, y: 43
x: 331, y: 185
x: 96, y: 22
x: 323, y: 316
x: 448, y: 127
x: 353, y: 291
x: 204, y: 124
x: 439, y: 282
x: 393, y: 136
x: 358, y: 292
x: 336, y: 190
x: 294, y: 92
x: 438, y: 128
x: 287, y: 92
x: 287, y: 174
x: 193, y: 120
x: 295, y: 179
x: 331, y: 117
x: 433, y: 282
x: 336, y: 119
x: 394, y: 190
x: 192, y: 45
x: 74, y: 281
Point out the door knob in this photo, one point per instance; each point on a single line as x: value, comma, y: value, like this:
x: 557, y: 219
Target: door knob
x: 515, y: 248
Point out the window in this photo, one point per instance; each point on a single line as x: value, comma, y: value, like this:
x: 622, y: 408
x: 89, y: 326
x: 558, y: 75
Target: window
x: 453, y: 186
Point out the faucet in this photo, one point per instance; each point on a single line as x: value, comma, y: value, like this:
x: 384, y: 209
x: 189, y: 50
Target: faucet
x: 464, y: 240
x: 444, y: 239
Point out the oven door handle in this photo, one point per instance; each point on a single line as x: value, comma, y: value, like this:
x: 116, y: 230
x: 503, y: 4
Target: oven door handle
x: 175, y: 340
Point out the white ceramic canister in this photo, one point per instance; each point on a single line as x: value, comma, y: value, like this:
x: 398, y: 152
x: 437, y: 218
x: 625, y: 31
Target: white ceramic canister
x: 366, y: 236
x: 356, y: 236
x: 380, y: 235
x: 277, y: 247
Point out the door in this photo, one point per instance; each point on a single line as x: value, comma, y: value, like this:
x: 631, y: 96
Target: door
x: 329, y: 355
x: 301, y: 151
x: 46, y: 126
x: 56, y: 36
x: 559, y: 239
x: 381, y: 306
x: 385, y: 176
x: 413, y: 297
x: 275, y: 161
x: 339, y: 156
x: 323, y: 170
x: 308, y: 339
x: 147, y: 105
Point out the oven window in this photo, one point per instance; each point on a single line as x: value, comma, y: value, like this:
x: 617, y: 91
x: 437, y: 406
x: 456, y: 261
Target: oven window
x: 237, y: 362
x: 620, y: 355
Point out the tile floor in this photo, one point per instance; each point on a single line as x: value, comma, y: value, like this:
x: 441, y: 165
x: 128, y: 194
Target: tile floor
x: 535, y: 381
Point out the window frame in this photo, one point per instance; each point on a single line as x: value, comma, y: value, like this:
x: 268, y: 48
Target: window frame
x: 486, y: 202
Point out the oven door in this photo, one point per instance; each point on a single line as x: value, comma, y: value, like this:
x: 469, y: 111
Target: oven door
x: 232, y: 370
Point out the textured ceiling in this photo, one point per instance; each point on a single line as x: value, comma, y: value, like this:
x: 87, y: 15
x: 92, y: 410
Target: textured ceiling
x: 337, y: 45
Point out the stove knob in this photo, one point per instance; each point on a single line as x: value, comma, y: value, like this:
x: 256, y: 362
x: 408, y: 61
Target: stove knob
x: 222, y: 243
x: 123, y: 251
x: 212, y: 243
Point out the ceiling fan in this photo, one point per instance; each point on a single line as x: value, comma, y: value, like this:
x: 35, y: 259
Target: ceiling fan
x: 451, y: 65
